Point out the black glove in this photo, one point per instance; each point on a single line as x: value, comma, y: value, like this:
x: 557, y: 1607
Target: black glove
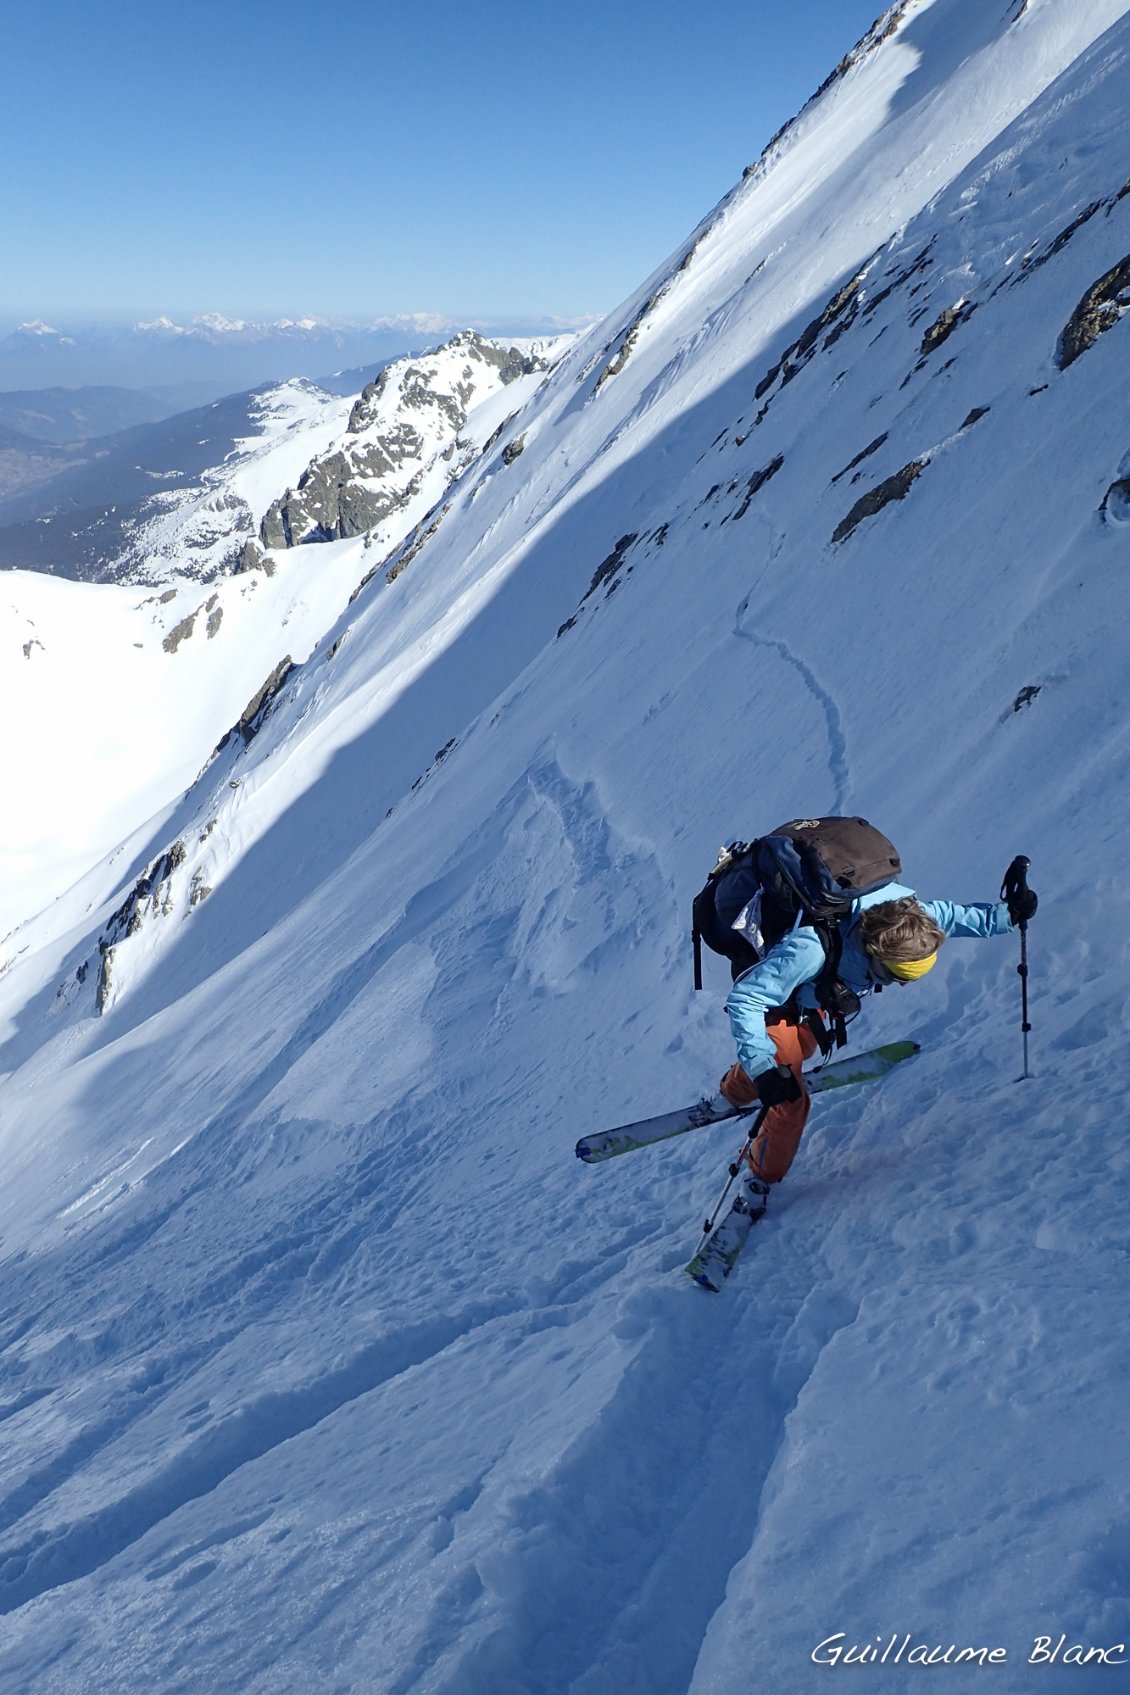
x: 1017, y: 896
x: 776, y: 1086
x: 1022, y: 904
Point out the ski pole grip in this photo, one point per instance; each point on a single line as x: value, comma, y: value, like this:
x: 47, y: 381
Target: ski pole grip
x: 1016, y: 882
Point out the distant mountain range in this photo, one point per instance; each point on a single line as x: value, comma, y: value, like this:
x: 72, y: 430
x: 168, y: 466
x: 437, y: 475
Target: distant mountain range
x: 190, y: 363
x: 78, y: 414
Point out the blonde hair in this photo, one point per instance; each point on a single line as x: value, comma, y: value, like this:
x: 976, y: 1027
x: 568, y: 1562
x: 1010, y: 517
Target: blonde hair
x: 899, y: 930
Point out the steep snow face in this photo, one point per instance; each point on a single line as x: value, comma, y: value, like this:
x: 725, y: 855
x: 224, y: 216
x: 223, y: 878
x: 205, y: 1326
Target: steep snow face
x: 329, y: 1363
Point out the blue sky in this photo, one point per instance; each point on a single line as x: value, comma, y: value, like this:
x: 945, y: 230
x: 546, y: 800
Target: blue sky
x: 374, y: 156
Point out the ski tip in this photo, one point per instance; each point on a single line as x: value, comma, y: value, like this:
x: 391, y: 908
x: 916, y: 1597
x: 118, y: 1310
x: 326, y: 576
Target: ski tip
x: 896, y: 1051
x: 698, y: 1276
x: 584, y: 1152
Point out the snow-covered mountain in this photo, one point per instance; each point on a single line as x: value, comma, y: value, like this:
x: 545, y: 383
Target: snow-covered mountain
x: 327, y: 1363
x: 194, y: 495
x: 206, y: 611
x: 402, y: 443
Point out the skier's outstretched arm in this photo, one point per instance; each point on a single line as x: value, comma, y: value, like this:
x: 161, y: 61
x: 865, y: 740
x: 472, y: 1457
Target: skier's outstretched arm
x: 989, y: 918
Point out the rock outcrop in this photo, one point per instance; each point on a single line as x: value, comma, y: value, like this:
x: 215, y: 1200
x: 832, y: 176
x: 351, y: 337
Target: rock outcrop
x: 399, y: 424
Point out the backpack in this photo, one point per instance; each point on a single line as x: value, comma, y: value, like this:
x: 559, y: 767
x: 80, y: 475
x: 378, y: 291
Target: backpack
x: 807, y: 871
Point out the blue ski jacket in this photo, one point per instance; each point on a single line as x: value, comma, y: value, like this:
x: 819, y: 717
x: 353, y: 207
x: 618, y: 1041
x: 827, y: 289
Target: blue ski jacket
x: 790, y: 967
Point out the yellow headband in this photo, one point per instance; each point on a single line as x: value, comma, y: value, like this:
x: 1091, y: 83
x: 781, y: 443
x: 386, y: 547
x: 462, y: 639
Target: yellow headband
x: 908, y: 969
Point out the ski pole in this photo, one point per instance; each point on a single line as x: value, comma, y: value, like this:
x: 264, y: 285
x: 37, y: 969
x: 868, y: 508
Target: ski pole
x: 1016, y: 883
x: 754, y: 1132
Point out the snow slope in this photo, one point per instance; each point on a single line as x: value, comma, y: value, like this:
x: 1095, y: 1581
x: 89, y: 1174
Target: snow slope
x: 129, y: 690
x: 326, y: 1365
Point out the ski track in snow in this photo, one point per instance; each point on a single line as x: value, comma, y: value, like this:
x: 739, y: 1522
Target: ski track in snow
x: 838, y: 766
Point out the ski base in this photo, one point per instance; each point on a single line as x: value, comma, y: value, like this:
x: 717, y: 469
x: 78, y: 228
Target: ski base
x: 715, y: 1109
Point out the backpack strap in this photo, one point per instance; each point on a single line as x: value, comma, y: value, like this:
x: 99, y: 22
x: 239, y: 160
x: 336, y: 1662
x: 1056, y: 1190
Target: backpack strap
x: 833, y: 997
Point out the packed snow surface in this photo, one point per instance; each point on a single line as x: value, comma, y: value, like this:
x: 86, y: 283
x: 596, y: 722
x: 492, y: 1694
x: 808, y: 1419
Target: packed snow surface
x: 327, y: 1366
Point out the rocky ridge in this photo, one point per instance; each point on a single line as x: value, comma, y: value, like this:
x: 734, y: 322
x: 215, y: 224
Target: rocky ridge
x: 414, y: 411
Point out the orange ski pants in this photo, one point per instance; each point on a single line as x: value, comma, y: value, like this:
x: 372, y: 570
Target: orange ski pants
x: 776, y: 1146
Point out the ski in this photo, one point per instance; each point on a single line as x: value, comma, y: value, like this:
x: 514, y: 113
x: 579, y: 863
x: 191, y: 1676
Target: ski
x: 718, y: 1253
x: 716, y: 1109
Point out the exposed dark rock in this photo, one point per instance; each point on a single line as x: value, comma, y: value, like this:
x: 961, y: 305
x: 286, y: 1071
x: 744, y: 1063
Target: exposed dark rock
x: 1032, y: 261
x: 179, y: 632
x: 251, y: 719
x: 756, y: 482
x: 105, y: 978
x: 945, y: 324
x: 1098, y: 311
x: 626, y: 341
x: 495, y: 434
x: 872, y: 447
x: 898, y: 279
x: 893, y: 488
x: 438, y: 759
x: 513, y: 450
x: 939, y: 370
x: 420, y: 535
x: 370, y: 477
x: 972, y: 417
x: 364, y: 583
x: 1026, y: 696
x: 608, y: 571
x: 845, y: 302
x: 1065, y: 235
x: 151, y: 895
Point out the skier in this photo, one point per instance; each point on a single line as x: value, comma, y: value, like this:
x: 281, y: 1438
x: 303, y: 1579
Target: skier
x: 888, y: 937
